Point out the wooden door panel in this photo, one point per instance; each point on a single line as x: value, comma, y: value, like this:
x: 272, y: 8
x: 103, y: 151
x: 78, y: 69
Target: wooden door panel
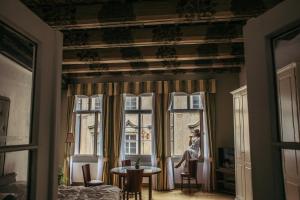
x: 240, y: 181
x: 237, y: 128
x: 289, y: 163
x: 248, y: 183
x: 292, y: 191
x: 246, y: 140
x: 288, y: 105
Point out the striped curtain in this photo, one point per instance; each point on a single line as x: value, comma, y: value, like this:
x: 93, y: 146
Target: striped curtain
x: 136, y: 88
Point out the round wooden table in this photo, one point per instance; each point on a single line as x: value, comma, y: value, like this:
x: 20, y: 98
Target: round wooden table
x: 148, y: 172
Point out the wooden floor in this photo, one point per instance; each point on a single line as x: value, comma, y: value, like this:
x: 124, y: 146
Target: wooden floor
x: 179, y: 195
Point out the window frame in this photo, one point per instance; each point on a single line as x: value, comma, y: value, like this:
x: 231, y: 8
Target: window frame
x: 96, y: 113
x: 139, y: 112
x: 173, y: 110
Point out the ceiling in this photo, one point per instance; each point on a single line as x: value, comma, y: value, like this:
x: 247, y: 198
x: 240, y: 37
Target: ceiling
x: 134, y: 37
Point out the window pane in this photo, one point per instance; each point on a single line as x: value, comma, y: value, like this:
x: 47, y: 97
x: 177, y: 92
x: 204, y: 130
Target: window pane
x: 180, y: 102
x: 100, y: 136
x: 131, y: 103
x: 146, y: 134
x: 183, y: 124
x: 14, y: 174
x: 15, y: 102
x: 131, y: 133
x: 96, y: 102
x: 81, y: 103
x: 195, y: 102
x: 87, y: 129
x: 172, y: 132
x: 146, y: 102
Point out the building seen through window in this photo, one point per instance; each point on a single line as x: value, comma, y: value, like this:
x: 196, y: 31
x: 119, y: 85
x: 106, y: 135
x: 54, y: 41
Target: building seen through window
x: 184, y: 119
x: 138, y: 124
x: 88, y: 121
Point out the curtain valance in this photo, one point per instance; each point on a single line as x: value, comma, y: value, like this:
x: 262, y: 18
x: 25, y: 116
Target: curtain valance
x: 158, y: 87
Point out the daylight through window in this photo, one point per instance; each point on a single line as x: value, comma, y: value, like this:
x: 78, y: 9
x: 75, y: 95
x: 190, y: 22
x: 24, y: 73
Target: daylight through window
x: 184, y: 119
x: 138, y: 124
x: 88, y: 124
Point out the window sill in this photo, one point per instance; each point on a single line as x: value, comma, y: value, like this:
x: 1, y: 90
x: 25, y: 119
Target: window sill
x: 144, y: 159
x: 85, y: 158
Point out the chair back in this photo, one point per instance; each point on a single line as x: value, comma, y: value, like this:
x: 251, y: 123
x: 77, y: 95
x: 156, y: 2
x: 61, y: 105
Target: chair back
x: 134, y: 180
x: 126, y: 163
x: 86, y: 174
x: 193, y: 168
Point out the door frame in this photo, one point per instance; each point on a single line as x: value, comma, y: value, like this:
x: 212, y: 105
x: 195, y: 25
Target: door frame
x: 267, y: 178
x: 47, y: 95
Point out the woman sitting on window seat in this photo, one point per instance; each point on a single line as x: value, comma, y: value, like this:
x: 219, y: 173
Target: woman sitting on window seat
x: 193, y: 150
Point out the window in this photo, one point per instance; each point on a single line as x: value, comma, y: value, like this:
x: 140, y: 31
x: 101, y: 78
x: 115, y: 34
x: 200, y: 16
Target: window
x: 131, y: 103
x: 88, y: 124
x: 195, y: 102
x: 138, y: 124
x: 184, y: 119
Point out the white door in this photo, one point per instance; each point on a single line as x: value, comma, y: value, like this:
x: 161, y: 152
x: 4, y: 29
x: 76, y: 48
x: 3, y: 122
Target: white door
x: 272, y: 42
x: 238, y: 139
x: 247, y: 159
x: 30, y: 81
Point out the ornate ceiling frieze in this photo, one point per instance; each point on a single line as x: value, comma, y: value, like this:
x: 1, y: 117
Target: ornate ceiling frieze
x: 166, y: 33
x: 131, y: 53
x: 117, y: 35
x: 88, y: 55
x: 61, y: 15
x: 116, y: 11
x: 78, y: 37
x: 191, y: 9
x: 169, y: 56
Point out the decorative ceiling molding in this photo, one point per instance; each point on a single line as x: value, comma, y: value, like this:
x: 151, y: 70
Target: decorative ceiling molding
x: 152, y: 22
x: 146, y: 69
x: 149, y: 60
x: 146, y: 75
x: 149, y: 44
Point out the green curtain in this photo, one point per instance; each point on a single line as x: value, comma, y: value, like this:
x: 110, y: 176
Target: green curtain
x: 210, y: 108
x: 69, y: 148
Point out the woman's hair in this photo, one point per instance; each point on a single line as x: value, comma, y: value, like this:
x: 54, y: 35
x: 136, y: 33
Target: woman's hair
x: 197, y: 132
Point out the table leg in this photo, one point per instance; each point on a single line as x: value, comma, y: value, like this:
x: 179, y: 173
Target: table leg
x: 120, y: 182
x: 150, y: 187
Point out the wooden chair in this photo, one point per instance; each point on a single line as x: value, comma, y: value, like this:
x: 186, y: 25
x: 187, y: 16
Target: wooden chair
x: 126, y: 163
x: 87, y: 177
x: 191, y: 174
x: 134, y: 183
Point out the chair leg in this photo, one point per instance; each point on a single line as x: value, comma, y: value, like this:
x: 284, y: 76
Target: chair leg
x: 189, y: 182
x: 140, y: 195
x: 135, y: 195
x: 124, y: 194
x: 181, y: 185
x: 127, y: 195
x: 197, y: 183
